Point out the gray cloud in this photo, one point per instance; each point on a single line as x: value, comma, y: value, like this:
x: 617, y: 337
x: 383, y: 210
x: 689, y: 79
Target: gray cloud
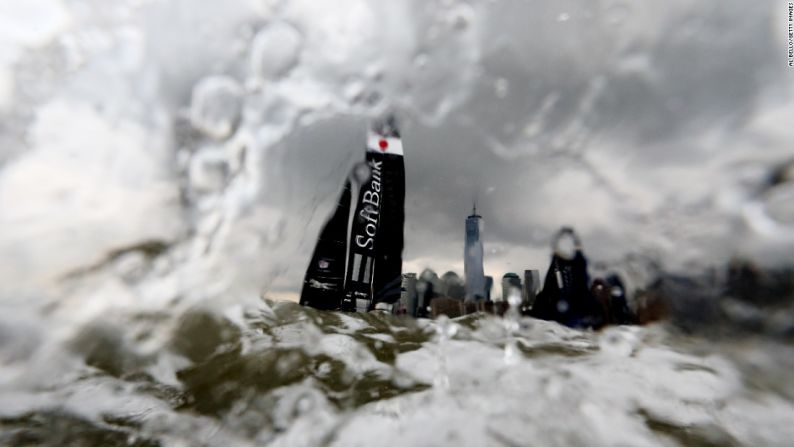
x: 553, y: 93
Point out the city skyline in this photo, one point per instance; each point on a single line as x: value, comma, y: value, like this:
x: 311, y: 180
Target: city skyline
x: 473, y: 226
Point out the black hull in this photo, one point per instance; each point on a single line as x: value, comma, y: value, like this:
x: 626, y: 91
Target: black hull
x: 323, y: 284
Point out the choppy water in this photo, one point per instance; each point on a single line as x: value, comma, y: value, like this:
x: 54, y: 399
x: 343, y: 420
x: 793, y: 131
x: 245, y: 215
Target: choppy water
x: 279, y: 374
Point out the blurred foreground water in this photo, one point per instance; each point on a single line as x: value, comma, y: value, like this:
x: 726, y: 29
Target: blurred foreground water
x: 287, y: 375
x: 165, y: 163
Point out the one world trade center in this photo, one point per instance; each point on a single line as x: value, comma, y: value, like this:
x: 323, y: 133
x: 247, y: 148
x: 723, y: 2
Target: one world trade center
x: 472, y: 258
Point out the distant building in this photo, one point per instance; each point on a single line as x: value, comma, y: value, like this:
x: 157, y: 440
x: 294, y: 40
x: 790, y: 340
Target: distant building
x: 488, y: 287
x: 427, y: 287
x: 447, y: 306
x: 510, y: 281
x: 452, y: 286
x: 473, y: 258
x: 531, y: 286
x: 408, y: 296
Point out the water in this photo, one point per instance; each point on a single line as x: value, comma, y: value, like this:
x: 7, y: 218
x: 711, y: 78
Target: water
x: 285, y: 375
x: 165, y: 167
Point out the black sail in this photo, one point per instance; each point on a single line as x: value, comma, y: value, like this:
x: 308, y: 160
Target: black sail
x: 387, y: 284
x: 374, y: 263
x: 323, y: 284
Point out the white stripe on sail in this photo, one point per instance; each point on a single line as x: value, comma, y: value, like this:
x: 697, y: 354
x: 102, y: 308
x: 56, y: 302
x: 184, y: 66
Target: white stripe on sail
x: 356, y: 266
x: 367, y: 270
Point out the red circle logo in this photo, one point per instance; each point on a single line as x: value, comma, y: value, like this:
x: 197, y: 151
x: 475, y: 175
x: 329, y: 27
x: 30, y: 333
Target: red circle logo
x: 383, y: 145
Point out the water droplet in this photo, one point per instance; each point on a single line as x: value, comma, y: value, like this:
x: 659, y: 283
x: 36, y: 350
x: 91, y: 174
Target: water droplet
x: 500, y: 86
x: 361, y: 172
x: 511, y: 322
x: 445, y: 329
x: 562, y: 306
x: 461, y: 17
x: 215, y: 106
x: 131, y: 266
x: 354, y: 90
x: 373, y: 99
x: 620, y: 341
x: 275, y: 50
x: 420, y: 61
x: 373, y: 72
x: 305, y: 404
x: 514, y: 298
x: 208, y: 171
x: 617, y: 14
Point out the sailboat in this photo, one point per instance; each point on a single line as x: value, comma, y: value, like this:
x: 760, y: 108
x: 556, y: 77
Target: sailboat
x: 357, y: 262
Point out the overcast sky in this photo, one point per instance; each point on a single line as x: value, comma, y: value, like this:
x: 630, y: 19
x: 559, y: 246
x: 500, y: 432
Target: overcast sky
x: 626, y: 122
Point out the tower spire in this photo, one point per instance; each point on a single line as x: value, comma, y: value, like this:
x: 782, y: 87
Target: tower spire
x: 474, y: 209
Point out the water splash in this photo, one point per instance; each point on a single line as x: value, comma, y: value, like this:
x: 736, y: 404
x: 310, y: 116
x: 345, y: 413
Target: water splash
x: 445, y: 331
x: 215, y: 106
x: 511, y: 323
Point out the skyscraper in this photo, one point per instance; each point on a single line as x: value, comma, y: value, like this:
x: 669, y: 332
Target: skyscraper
x: 510, y: 281
x: 472, y: 258
x: 408, y: 297
x: 531, y: 286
